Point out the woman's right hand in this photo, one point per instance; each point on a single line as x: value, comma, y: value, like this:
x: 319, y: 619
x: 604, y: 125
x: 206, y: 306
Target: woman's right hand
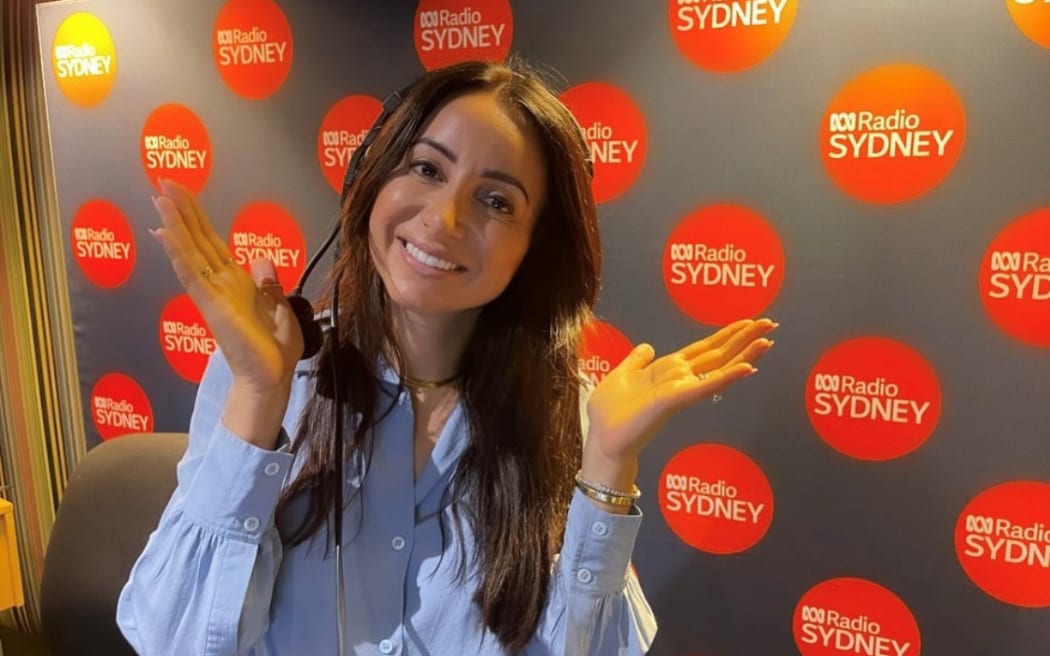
x: 248, y: 315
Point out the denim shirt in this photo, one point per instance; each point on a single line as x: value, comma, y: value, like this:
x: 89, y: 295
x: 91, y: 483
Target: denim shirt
x: 214, y: 577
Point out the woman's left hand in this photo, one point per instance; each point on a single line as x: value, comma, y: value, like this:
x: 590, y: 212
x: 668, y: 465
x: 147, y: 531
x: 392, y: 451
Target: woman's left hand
x: 634, y: 400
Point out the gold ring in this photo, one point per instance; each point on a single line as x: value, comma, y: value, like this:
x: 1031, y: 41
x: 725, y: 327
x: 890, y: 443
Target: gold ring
x: 227, y: 260
x: 702, y: 376
x: 206, y: 272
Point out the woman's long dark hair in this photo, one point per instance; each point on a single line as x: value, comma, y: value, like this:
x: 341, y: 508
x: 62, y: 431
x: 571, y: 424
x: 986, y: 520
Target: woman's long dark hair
x: 520, y: 380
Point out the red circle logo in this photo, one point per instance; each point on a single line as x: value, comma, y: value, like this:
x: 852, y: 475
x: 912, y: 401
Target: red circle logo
x: 175, y: 145
x: 83, y: 59
x: 103, y: 244
x: 603, y: 348
x: 614, y: 129
x: 716, y: 499
x: 853, y: 616
x: 893, y: 134
x: 729, y: 35
x: 873, y: 398
x: 185, y: 339
x: 252, y: 47
x: 452, y: 31
x: 1033, y: 18
x: 723, y: 262
x: 1002, y: 540
x: 342, y: 132
x: 1014, y: 280
x: 265, y: 230
x: 120, y: 406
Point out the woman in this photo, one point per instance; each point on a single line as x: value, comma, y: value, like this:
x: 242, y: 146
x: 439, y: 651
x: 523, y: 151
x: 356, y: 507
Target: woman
x: 469, y: 263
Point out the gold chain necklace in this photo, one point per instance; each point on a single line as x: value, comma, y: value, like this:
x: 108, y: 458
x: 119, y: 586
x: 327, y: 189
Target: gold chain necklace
x: 420, y: 384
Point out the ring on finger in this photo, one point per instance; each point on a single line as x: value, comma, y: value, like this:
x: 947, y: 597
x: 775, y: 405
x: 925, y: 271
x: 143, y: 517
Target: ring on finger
x: 207, y: 272
x: 715, y: 398
x: 702, y: 376
x: 227, y: 260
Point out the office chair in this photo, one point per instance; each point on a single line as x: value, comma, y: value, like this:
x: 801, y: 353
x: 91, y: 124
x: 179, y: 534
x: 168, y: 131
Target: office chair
x: 112, y: 503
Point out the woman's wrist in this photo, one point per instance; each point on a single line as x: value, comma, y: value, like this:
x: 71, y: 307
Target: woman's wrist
x: 613, y: 473
x: 254, y: 415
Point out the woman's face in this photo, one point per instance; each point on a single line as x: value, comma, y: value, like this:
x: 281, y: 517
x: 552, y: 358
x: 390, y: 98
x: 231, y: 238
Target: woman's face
x: 451, y: 225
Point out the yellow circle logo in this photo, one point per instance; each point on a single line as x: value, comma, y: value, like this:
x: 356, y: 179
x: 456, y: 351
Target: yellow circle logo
x: 84, y: 60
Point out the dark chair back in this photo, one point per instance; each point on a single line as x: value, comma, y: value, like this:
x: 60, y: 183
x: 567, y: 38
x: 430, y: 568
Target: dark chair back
x: 112, y: 503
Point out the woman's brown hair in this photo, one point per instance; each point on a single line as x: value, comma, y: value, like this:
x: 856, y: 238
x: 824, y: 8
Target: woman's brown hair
x: 520, y: 382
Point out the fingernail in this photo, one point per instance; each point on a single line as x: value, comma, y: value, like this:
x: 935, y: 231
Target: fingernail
x: 156, y: 236
x: 155, y: 200
x: 752, y: 372
x: 771, y: 343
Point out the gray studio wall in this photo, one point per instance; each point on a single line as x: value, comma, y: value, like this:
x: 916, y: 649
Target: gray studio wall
x: 907, y: 270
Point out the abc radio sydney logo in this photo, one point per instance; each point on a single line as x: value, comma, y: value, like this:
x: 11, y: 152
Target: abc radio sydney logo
x: 892, y: 134
x: 451, y: 31
x: 252, y: 47
x: 1002, y: 541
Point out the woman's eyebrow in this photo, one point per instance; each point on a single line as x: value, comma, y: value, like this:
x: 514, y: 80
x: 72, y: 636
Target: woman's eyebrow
x: 492, y: 174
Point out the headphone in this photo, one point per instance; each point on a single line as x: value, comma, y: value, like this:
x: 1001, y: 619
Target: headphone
x: 304, y: 312
x: 313, y: 338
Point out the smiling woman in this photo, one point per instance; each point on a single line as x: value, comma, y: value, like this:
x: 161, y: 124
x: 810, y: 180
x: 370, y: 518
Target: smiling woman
x: 479, y: 520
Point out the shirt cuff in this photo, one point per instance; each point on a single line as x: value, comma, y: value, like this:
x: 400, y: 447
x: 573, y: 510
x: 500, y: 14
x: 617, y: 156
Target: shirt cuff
x: 237, y: 485
x: 598, y: 546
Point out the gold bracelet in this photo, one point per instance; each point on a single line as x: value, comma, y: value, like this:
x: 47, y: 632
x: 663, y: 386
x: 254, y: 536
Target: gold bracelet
x: 598, y: 495
x: 591, y: 486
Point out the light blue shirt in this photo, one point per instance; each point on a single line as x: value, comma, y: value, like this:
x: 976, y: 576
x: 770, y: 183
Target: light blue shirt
x: 214, y: 577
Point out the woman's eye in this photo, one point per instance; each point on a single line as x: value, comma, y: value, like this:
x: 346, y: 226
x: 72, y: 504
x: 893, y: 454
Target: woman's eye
x: 500, y: 204
x: 425, y: 169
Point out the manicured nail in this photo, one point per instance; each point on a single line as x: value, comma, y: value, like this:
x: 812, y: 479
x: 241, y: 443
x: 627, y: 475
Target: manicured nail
x: 752, y: 372
x: 156, y: 236
x: 155, y: 199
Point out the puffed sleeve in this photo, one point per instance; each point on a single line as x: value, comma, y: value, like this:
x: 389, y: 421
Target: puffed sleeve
x: 204, y: 582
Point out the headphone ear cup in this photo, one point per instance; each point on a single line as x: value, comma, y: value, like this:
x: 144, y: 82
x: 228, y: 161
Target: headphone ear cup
x: 311, y: 329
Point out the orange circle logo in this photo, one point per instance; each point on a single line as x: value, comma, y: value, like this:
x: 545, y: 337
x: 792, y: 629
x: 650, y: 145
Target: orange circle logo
x: 853, y: 616
x: 83, y: 59
x: 603, y: 348
x: 1033, y: 17
x: 1002, y: 541
x: 176, y: 145
x: 102, y: 243
x: 264, y: 230
x: 120, y: 406
x: 343, y: 129
x: 873, y: 398
x: 729, y: 35
x: 716, y: 499
x: 892, y: 134
x: 614, y: 129
x: 1014, y: 279
x: 451, y: 31
x: 185, y: 339
x: 252, y: 47
x: 723, y: 262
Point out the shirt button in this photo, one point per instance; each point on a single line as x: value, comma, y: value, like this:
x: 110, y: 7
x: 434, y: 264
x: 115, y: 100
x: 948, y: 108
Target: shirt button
x: 272, y: 469
x: 398, y: 543
x: 599, y: 528
x: 251, y: 524
x: 386, y: 647
x: 584, y: 576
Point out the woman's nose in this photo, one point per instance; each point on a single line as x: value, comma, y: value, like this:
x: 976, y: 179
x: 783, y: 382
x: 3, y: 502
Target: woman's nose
x: 444, y: 213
